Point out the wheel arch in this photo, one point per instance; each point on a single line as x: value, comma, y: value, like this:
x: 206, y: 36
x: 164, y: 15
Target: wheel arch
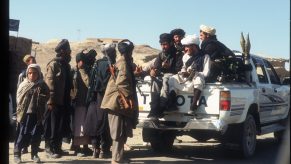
x: 254, y: 111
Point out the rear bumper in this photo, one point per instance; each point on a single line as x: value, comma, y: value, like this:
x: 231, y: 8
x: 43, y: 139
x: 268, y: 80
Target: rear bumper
x: 193, y: 124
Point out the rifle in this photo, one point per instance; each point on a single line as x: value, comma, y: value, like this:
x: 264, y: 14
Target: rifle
x: 246, y: 46
x: 91, y: 88
x: 191, y: 72
x: 167, y: 60
x: 126, y: 104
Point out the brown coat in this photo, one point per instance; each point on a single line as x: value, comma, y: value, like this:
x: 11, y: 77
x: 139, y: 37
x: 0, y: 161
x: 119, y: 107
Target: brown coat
x: 55, y: 79
x: 124, y: 82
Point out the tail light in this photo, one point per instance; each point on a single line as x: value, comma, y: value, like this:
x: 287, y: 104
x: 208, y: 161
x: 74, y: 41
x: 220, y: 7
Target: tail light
x: 224, y: 101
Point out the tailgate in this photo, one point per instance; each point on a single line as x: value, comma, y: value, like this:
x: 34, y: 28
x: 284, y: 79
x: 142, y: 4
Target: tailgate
x: 208, y: 102
x: 144, y: 98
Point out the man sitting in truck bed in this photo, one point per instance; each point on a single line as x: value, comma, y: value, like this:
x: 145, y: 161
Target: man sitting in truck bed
x: 167, y: 63
x: 195, y: 68
x: 210, y: 45
x: 215, y: 49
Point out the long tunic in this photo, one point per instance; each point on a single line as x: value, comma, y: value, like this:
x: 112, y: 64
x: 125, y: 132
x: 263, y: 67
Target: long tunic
x: 96, y: 120
x: 78, y: 95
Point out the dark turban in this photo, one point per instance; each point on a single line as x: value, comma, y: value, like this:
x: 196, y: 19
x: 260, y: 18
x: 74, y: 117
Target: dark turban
x: 80, y: 56
x: 178, y: 31
x: 90, y: 57
x: 91, y: 54
x: 108, y: 48
x: 63, y: 46
x: 125, y: 46
x: 165, y: 37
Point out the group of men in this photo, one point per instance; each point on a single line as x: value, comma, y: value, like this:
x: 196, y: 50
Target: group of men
x: 184, y: 64
x: 82, y: 88
x: 103, y: 93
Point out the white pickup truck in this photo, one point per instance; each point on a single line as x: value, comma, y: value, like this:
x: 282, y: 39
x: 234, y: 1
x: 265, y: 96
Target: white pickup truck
x: 230, y: 111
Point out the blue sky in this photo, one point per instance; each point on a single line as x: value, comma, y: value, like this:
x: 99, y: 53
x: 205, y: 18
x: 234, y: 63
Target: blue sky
x: 142, y: 21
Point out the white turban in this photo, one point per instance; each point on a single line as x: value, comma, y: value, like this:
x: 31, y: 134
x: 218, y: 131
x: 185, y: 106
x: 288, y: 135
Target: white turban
x: 190, y: 40
x: 208, y: 29
x: 108, y: 48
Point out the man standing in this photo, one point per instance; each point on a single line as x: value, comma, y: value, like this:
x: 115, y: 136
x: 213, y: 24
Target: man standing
x: 120, y: 99
x: 59, y: 82
x: 97, y: 119
x: 166, y: 64
x: 78, y: 94
x: 195, y: 68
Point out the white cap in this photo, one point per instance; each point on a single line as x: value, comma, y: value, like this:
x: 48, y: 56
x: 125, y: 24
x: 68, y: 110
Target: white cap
x: 190, y: 39
x: 209, y: 30
x: 109, y: 47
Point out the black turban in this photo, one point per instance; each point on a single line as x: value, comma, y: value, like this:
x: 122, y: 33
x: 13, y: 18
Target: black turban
x: 178, y: 31
x: 80, y: 56
x: 91, y: 54
x: 165, y: 37
x: 63, y: 46
x: 125, y: 46
x: 90, y: 57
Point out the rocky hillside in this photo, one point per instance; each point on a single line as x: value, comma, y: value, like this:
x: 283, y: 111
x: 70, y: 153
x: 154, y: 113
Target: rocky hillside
x: 45, y: 51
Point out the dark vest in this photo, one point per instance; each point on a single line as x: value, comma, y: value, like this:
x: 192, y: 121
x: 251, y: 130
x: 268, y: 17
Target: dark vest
x: 196, y: 61
x: 216, y: 49
x: 174, y: 58
x: 101, y: 75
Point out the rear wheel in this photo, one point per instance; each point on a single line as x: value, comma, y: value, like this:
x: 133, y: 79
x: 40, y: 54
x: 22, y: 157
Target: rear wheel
x: 161, y: 141
x: 248, y: 138
x: 241, y: 138
x: 279, y: 135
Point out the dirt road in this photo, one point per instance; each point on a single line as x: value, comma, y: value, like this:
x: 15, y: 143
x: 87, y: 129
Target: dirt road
x: 188, y: 151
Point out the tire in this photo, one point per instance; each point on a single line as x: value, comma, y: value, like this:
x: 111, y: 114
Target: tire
x: 162, y: 141
x: 168, y: 140
x: 155, y: 145
x: 248, y: 137
x: 153, y: 136
x: 279, y: 135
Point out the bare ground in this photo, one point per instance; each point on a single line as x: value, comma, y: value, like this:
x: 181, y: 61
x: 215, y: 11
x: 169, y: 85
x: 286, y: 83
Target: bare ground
x: 188, y: 151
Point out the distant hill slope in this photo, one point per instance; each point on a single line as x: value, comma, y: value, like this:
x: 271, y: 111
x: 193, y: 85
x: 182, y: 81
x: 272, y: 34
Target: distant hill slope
x: 45, y: 51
